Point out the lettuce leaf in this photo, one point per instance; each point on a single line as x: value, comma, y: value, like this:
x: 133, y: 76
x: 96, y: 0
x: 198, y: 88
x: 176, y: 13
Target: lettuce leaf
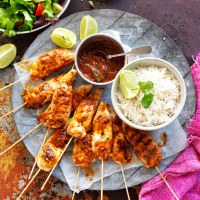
x: 48, y: 8
x: 7, y: 21
x: 20, y: 10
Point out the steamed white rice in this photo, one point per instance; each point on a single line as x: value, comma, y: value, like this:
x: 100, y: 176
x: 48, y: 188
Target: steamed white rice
x: 166, y: 99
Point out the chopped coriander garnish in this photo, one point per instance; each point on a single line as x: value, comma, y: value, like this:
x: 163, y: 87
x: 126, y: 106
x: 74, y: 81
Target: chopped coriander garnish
x: 145, y: 87
x: 147, y: 100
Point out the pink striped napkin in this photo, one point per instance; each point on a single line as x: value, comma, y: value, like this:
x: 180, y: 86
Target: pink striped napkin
x: 183, y: 174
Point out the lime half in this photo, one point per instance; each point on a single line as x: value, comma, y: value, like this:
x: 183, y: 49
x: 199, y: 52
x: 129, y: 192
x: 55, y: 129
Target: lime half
x: 63, y: 37
x: 88, y: 26
x: 129, y: 84
x: 7, y: 55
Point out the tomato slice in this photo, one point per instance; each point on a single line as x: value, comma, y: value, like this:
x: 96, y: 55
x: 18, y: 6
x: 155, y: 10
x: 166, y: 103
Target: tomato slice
x: 39, y: 9
x: 17, y: 24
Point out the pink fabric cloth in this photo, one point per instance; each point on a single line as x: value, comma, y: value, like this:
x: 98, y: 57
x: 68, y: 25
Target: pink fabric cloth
x: 183, y: 174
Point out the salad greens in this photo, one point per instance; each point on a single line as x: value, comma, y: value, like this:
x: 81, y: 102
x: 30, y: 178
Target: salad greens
x: 24, y: 15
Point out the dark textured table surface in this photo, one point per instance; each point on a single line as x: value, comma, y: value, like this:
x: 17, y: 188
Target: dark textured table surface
x: 184, y: 15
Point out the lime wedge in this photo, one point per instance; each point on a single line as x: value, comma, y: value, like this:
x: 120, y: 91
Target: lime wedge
x: 63, y: 37
x: 7, y: 55
x: 88, y: 26
x: 129, y: 84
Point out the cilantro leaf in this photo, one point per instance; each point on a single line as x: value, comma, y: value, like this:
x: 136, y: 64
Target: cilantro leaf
x: 145, y: 86
x: 147, y: 100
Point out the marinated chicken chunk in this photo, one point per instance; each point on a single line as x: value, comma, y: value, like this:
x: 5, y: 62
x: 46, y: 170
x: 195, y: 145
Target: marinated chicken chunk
x: 102, y: 136
x: 82, y: 151
x: 144, y: 146
x: 81, y: 122
x: 52, y: 149
x: 58, y: 112
x: 50, y: 62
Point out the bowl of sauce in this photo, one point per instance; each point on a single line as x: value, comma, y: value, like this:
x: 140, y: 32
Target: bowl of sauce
x: 91, y: 62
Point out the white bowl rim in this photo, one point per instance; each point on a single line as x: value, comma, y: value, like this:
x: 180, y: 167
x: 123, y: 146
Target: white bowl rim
x: 126, y: 120
x: 41, y: 27
x: 76, y: 54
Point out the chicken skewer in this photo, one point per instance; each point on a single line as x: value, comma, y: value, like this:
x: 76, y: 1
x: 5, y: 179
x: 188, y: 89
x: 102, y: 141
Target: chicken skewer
x: 82, y: 155
x: 81, y: 122
x: 39, y: 95
x: 51, y: 154
x: 59, y: 110
x: 102, y: 137
x: 146, y: 149
x: 48, y: 63
x: 120, y: 151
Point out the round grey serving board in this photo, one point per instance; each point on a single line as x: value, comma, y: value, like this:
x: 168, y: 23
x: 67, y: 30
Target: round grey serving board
x: 134, y: 31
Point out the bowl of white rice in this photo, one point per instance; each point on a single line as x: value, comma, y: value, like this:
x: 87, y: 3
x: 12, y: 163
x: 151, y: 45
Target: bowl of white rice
x: 168, y: 91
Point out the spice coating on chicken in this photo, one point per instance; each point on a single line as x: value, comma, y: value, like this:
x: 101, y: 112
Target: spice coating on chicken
x: 82, y: 151
x: 102, y: 136
x: 120, y: 151
x: 58, y: 112
x: 42, y: 93
x: 52, y: 149
x: 143, y: 146
x: 81, y: 122
x: 79, y: 94
x: 50, y: 62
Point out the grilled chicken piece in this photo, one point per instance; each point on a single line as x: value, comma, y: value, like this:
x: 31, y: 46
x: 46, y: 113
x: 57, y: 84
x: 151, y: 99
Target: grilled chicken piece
x: 120, y: 151
x: 58, y: 112
x: 81, y: 122
x: 143, y: 146
x: 42, y: 93
x: 52, y: 149
x: 82, y: 151
x: 50, y: 62
x: 102, y: 136
x: 79, y: 94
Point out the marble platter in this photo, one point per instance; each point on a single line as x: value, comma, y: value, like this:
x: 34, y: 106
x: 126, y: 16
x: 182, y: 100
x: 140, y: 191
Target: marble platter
x: 134, y: 31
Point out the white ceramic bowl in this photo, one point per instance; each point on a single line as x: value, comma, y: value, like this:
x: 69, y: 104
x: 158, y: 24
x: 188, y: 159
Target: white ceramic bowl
x: 64, y: 5
x: 146, y: 62
x: 84, y: 43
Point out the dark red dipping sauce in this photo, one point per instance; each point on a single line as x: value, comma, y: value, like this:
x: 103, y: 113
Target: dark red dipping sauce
x: 93, y: 63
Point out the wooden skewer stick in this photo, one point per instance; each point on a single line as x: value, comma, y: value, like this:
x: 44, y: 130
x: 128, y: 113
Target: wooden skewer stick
x: 14, y: 82
x: 102, y: 179
x: 12, y: 111
x: 56, y: 163
x: 76, y: 183
x: 125, y: 182
x: 18, y: 198
x: 20, y: 139
x: 172, y: 191
x: 45, y: 137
